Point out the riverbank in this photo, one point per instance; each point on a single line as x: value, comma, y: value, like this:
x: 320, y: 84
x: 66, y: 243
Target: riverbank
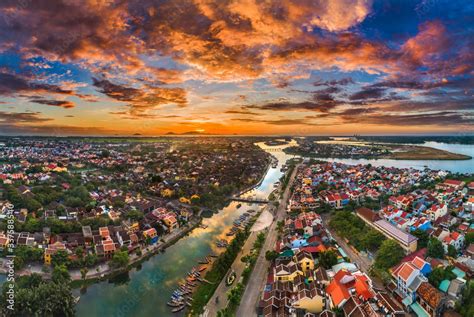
x: 396, y: 152
x: 416, y: 152
x: 102, y: 272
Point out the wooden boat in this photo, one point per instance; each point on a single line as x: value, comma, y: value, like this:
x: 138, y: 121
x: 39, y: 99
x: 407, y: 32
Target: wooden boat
x: 174, y: 304
x: 202, y: 268
x: 180, y: 308
x: 213, y: 255
x: 189, y: 304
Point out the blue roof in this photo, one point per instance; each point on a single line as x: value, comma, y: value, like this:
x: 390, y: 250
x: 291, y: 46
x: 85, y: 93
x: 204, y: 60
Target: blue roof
x: 459, y: 273
x: 341, y: 251
x: 419, y: 311
x: 444, y: 285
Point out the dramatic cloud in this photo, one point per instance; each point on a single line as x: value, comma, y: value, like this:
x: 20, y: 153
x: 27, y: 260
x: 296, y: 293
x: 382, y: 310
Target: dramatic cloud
x: 11, y: 84
x: 323, y: 104
x: 55, y: 103
x: 368, y: 93
x: 141, y: 100
x: 21, y: 117
x: 136, y: 59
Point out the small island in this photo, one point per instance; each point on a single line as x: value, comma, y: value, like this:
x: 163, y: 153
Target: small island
x: 353, y: 148
x: 416, y: 152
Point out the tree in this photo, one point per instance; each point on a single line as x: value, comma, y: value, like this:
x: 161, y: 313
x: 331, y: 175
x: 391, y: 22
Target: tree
x: 84, y: 273
x: 452, y: 252
x: 120, y: 259
x: 436, y: 276
x: 469, y: 238
x: 423, y: 238
x: 60, y: 258
x: 36, y: 297
x: 466, y: 306
x: 372, y: 240
x: 327, y: 259
x: 271, y: 255
x: 389, y: 254
x: 435, y: 249
x: 60, y: 274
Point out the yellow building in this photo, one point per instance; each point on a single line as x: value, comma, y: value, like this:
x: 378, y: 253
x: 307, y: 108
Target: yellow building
x: 52, y: 249
x: 184, y: 200
x: 305, y: 260
x: 286, y: 273
x: 167, y: 192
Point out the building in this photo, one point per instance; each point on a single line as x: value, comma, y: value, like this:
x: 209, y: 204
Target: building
x: 52, y: 249
x: 407, y: 241
x: 430, y: 300
x: 152, y: 234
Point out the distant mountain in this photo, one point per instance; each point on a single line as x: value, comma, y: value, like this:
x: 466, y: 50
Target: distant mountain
x: 189, y: 133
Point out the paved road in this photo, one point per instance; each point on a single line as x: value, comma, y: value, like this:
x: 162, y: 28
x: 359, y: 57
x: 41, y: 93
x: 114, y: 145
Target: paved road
x: 259, y: 274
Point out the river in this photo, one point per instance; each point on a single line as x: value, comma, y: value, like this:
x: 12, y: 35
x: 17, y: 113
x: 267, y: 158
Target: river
x: 455, y: 166
x: 145, y: 291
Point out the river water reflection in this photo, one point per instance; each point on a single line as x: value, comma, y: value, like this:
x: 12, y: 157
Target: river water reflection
x: 145, y: 291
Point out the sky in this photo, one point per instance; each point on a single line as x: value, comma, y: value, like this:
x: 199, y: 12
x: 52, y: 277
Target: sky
x: 256, y: 67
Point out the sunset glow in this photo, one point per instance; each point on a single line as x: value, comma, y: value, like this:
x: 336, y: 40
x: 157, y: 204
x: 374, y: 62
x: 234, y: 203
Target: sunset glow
x: 252, y: 67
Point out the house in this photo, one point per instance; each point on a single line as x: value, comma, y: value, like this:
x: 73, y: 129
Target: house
x: 170, y: 222
x: 3, y: 241
x: 455, y: 239
x: 305, y: 260
x: 286, y: 273
x: 151, y: 234
x: 52, y: 249
x: 408, y: 278
x: 87, y: 233
x: 106, y: 249
x: 345, y: 283
x: 430, y: 300
x: 436, y: 211
x: 123, y: 238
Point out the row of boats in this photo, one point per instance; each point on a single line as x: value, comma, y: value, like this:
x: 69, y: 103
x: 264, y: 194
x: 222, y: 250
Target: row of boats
x: 238, y: 224
x: 182, y: 296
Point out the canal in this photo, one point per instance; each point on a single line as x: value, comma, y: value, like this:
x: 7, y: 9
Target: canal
x: 145, y: 290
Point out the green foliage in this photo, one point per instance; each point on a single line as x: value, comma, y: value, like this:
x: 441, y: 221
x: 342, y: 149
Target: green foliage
x: 60, y: 274
x: 389, y: 254
x: 351, y: 227
x: 24, y: 254
x: 271, y: 255
x: 36, y: 297
x: 327, y: 259
x: 119, y: 259
x: 60, y: 258
x: 435, y: 249
x: 452, y: 252
x: 439, y: 274
x: 469, y: 238
x: 423, y: 238
x: 466, y: 306
x: 134, y: 215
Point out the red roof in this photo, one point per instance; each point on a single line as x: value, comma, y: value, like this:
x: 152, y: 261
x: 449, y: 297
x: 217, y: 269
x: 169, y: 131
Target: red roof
x: 363, y: 288
x: 314, y: 249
